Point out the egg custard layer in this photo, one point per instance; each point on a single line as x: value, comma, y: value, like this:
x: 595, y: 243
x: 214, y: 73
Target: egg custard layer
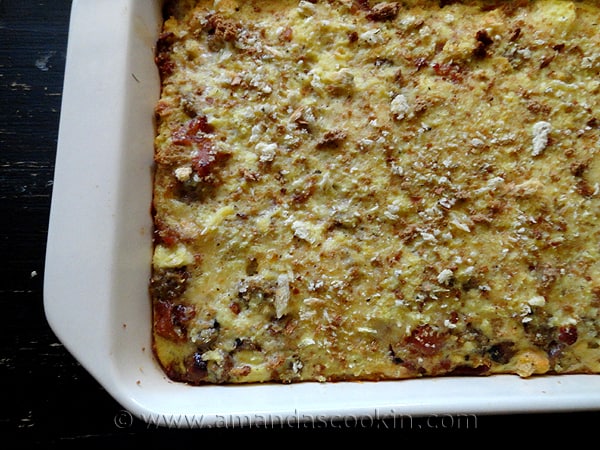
x: 363, y: 190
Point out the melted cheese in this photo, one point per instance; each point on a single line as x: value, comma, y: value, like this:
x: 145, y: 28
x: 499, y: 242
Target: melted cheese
x: 390, y: 191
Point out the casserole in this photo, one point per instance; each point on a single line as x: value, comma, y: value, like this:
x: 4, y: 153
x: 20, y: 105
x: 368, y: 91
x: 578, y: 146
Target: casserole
x: 99, y: 248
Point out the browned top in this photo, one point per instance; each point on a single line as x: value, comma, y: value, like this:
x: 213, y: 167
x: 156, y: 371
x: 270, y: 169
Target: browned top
x: 369, y: 190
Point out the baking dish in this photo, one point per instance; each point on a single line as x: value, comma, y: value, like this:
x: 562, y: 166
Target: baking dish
x: 99, y: 252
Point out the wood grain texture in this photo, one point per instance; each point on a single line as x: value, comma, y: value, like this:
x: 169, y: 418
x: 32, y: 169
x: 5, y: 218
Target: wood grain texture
x: 42, y: 383
x: 47, y: 399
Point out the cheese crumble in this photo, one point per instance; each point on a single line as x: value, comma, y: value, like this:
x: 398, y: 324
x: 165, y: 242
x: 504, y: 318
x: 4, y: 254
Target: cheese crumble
x: 369, y: 190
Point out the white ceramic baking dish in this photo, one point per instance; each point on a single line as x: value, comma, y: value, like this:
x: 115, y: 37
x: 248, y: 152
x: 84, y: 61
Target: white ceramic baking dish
x: 99, y: 251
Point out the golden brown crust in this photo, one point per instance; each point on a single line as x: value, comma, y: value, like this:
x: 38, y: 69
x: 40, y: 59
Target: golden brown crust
x: 363, y: 190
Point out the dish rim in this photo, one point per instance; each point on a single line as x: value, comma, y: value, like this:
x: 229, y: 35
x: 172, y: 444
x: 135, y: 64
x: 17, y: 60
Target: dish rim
x: 85, y: 283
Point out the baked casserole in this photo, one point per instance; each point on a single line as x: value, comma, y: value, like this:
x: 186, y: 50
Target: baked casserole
x: 366, y: 190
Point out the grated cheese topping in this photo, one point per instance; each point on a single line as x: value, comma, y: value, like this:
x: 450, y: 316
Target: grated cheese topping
x: 367, y: 190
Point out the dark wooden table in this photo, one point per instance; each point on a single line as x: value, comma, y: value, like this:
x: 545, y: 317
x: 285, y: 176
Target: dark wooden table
x: 46, y: 396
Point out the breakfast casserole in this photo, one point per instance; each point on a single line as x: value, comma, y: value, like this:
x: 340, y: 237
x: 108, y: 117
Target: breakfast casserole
x: 367, y: 190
